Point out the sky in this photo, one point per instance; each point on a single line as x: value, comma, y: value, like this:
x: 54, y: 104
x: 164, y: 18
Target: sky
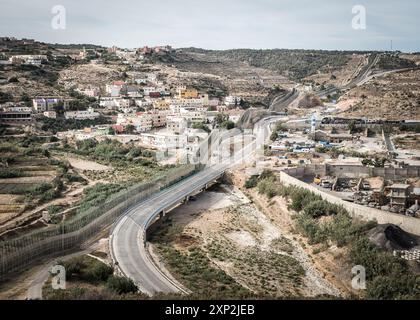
x: 218, y: 24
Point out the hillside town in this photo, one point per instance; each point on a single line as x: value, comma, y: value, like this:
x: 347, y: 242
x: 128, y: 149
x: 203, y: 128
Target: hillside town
x: 147, y: 107
x: 254, y: 169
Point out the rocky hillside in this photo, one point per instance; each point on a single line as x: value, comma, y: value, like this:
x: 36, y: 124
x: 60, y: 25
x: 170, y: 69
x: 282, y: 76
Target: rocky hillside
x: 393, y: 96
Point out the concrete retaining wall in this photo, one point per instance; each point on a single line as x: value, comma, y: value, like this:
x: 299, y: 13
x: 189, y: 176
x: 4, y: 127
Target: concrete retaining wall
x: 354, y: 171
x: 409, y: 224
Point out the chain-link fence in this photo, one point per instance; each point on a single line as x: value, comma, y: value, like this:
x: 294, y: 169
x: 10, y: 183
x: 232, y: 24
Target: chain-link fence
x: 19, y: 253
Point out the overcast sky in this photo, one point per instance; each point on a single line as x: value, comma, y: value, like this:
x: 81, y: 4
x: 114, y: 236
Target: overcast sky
x: 218, y: 24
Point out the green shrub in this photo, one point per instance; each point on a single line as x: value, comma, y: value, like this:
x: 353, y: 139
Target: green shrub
x: 309, y: 227
x: 121, y: 285
x: 97, y: 272
x: 87, y: 269
x: 268, y: 187
x: 6, y: 173
x: 251, y: 182
x: 53, y: 209
x: 301, y: 198
x: 320, y: 208
x: 396, y: 286
x: 97, y: 194
x: 377, y: 262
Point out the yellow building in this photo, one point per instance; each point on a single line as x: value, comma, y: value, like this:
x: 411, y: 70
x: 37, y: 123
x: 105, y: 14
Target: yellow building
x: 184, y: 93
x: 161, y: 104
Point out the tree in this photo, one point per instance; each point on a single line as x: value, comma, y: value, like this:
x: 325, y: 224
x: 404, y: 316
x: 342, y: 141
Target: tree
x: 352, y: 126
x: 201, y: 126
x: 228, y: 124
x: 274, y: 136
x: 220, y: 118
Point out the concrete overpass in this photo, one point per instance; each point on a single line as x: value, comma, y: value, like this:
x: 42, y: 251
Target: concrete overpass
x: 128, y: 238
x: 129, y: 235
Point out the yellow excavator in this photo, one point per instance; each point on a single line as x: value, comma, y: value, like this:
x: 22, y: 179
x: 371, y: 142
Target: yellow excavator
x: 317, y: 179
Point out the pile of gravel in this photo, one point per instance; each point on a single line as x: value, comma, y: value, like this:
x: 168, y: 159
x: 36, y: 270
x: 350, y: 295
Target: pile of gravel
x: 391, y: 237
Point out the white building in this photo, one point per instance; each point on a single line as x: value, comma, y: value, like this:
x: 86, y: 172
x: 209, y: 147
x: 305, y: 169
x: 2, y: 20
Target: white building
x: 176, y: 124
x: 47, y: 104
x: 16, y: 109
x: 142, y: 122
x: 114, y: 89
x: 232, y: 101
x: 108, y: 102
x: 164, y: 140
x: 82, y: 115
x: 90, y: 92
x: 192, y: 116
x: 35, y: 60
x: 50, y: 114
x: 152, y: 77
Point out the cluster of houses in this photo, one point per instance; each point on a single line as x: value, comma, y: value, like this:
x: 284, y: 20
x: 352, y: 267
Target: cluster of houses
x: 143, y: 107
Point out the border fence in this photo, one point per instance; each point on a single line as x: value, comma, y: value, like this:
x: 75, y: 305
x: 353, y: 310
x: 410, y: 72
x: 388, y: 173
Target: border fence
x: 17, y: 254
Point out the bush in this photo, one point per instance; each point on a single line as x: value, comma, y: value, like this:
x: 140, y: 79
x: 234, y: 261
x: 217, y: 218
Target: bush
x: 13, y: 80
x: 320, y: 208
x: 121, y: 285
x: 97, y: 194
x: 10, y: 173
x: 201, y: 126
x: 87, y: 269
x: 302, y: 197
x: 398, y: 286
x: 274, y: 136
x: 268, y: 187
x: 376, y: 261
x: 53, y: 209
x: 251, y: 182
x: 310, y: 228
x: 97, y: 272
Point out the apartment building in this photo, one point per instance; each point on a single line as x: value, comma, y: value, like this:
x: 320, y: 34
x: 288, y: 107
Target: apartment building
x: 16, y: 117
x: 82, y: 115
x: 187, y: 93
x: 114, y: 89
x: 176, y: 124
x: 35, y: 60
x: 142, y: 122
x: 90, y: 92
x: 47, y: 104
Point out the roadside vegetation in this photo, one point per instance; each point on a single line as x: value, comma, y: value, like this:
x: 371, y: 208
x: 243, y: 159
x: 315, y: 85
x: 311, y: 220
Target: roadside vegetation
x: 244, y: 256
x: 90, y: 279
x: 277, y: 131
x: 194, y: 269
x: 321, y: 222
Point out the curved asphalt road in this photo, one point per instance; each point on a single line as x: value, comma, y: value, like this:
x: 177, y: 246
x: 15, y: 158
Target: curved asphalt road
x: 127, y: 240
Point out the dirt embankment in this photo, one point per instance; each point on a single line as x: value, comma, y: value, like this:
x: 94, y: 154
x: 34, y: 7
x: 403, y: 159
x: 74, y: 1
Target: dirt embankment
x: 245, y: 244
x: 329, y: 262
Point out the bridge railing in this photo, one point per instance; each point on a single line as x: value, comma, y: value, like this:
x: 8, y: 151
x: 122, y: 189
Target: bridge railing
x: 17, y: 254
